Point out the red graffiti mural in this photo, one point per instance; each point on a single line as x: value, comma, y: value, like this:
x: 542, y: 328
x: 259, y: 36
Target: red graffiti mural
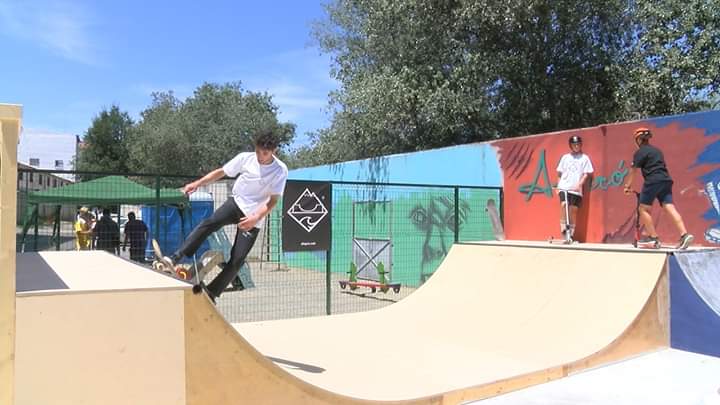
x: 532, y: 208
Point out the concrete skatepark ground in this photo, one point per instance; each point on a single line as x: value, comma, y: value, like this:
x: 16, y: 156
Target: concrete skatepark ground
x: 493, y: 319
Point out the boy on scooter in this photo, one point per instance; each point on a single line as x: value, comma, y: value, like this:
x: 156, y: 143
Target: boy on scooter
x: 657, y: 185
x: 573, y: 170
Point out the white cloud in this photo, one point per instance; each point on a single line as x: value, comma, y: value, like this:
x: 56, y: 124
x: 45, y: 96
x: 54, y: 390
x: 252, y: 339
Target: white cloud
x: 298, y: 81
x: 60, y: 26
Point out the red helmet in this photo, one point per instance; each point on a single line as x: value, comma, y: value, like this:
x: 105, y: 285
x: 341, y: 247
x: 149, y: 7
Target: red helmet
x: 642, y: 133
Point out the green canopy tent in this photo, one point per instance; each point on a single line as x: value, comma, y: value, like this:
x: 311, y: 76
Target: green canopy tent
x: 102, y: 192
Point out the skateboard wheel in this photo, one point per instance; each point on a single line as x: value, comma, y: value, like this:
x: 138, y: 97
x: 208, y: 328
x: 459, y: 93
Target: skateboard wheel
x: 183, y: 274
x: 372, y: 289
x: 342, y: 285
x: 396, y: 289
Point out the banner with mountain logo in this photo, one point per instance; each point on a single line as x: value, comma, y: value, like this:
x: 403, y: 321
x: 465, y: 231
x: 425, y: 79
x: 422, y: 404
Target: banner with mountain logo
x: 306, y: 216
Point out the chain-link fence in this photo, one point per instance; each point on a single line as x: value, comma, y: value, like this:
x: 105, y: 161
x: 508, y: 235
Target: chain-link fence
x: 387, y: 239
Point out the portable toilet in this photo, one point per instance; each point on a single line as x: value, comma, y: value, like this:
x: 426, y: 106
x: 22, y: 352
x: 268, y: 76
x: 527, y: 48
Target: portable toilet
x: 175, y: 222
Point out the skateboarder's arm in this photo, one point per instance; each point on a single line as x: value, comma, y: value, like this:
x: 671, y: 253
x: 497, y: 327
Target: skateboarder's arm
x: 581, y: 183
x: 211, y: 177
x: 249, y: 221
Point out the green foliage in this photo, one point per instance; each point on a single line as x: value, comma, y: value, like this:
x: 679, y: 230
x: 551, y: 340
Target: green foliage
x: 203, y: 132
x: 419, y: 74
x: 673, y: 65
x: 104, y: 143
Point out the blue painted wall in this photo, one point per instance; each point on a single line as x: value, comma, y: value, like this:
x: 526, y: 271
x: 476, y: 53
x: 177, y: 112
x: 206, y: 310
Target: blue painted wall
x: 468, y: 165
x: 694, y: 325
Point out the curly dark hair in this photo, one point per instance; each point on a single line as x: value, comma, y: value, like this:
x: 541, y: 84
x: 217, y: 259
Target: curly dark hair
x: 266, y: 139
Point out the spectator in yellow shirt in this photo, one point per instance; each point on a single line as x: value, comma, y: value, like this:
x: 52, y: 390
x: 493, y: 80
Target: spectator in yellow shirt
x: 83, y: 230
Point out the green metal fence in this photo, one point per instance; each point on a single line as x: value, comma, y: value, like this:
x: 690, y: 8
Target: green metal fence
x: 396, y: 233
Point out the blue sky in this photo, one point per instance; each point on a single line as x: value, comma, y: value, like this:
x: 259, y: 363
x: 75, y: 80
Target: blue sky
x: 72, y: 58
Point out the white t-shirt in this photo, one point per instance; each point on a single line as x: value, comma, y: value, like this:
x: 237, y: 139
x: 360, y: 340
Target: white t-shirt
x: 255, y: 182
x: 571, y: 169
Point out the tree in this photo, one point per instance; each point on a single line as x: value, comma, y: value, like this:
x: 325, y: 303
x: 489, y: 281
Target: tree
x: 673, y: 59
x: 203, y: 132
x: 423, y: 74
x: 104, y: 148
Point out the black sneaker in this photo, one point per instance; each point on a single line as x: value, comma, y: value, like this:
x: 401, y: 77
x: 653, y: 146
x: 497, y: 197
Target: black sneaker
x: 685, y: 241
x: 649, y: 241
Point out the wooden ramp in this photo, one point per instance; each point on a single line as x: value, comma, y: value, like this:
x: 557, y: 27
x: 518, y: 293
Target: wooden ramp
x: 492, y: 319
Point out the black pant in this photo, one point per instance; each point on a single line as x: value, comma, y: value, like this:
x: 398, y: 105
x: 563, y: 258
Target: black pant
x: 227, y: 214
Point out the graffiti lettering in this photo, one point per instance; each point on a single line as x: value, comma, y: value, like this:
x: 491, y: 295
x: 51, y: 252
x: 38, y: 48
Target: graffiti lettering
x: 541, y: 181
x: 615, y: 180
x: 535, y: 187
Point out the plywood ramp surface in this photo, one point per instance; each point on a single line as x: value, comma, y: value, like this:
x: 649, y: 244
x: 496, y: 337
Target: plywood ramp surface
x: 110, y: 348
x: 96, y: 271
x: 491, y: 319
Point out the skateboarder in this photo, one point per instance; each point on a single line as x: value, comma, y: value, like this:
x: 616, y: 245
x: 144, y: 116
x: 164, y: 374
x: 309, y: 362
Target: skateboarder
x: 658, y: 185
x: 573, y: 170
x: 261, y: 178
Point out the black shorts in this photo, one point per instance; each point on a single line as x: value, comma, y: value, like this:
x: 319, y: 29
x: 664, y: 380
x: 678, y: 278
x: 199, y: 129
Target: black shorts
x: 661, y: 191
x: 573, y: 199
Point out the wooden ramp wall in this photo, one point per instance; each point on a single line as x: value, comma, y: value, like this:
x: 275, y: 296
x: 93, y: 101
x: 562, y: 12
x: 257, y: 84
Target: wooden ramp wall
x: 491, y: 320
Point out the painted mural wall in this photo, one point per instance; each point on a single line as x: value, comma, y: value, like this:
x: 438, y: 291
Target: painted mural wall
x: 691, y: 147
x: 413, y: 229
x: 419, y: 221
x: 526, y: 169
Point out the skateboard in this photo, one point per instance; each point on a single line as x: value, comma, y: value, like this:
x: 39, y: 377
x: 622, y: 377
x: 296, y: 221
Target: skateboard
x: 374, y: 286
x: 187, y: 272
x: 383, y: 285
x: 497, y: 227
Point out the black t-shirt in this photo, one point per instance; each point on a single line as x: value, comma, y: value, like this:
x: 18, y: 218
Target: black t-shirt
x: 135, y: 230
x: 107, y: 233
x: 652, y: 163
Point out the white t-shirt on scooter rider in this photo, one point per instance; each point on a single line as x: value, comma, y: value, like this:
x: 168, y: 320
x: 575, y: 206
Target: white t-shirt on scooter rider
x: 255, y: 182
x: 572, y: 167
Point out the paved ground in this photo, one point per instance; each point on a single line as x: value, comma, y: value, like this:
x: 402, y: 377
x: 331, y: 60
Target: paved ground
x: 281, y: 293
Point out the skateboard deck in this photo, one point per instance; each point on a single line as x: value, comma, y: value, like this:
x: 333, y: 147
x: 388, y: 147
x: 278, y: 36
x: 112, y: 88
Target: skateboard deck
x: 497, y: 227
x: 184, y: 272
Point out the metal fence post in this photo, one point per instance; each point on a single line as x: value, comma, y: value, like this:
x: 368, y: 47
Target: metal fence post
x: 457, y: 214
x: 328, y: 280
x: 157, y: 208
